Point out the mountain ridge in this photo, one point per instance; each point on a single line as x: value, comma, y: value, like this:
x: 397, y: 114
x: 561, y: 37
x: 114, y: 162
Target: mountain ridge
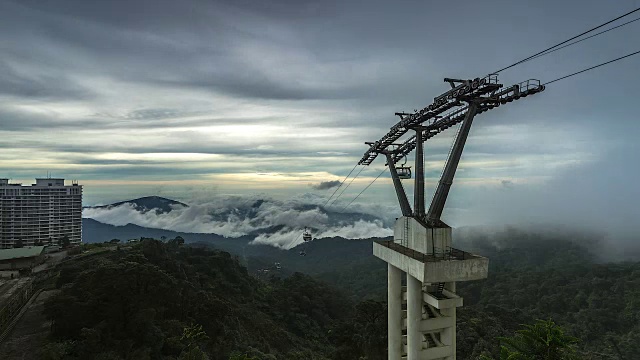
x: 145, y: 204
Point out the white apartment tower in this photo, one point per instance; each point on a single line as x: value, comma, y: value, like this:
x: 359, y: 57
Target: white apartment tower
x: 42, y: 213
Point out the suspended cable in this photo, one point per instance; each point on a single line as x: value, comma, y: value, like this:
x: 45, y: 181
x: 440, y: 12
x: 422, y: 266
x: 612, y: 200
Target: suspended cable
x: 588, y: 37
x: 566, y: 41
x: 363, y: 190
x: 339, y: 186
x: 346, y: 187
x: 329, y: 199
x: 593, y: 67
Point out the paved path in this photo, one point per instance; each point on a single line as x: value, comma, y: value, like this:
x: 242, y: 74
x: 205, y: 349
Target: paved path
x: 29, y: 333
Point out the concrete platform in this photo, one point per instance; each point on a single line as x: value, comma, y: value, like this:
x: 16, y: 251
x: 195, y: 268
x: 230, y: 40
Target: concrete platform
x: 457, y: 266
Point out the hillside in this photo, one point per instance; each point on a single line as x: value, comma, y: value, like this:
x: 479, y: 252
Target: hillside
x: 320, y: 252
x: 94, y: 231
x: 532, y: 276
x: 137, y: 304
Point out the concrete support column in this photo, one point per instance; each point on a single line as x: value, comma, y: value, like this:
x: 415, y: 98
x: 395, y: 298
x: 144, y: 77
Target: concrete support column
x: 414, y: 316
x: 448, y: 335
x: 394, y: 308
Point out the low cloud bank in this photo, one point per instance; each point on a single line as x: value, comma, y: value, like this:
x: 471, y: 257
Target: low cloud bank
x: 269, y: 221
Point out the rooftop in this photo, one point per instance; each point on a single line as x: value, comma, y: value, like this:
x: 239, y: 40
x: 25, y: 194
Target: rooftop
x: 24, y: 252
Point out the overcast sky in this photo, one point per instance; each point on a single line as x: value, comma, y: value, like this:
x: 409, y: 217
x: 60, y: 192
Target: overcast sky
x: 185, y: 98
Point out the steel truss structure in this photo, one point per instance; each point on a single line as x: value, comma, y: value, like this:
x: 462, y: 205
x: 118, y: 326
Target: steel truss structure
x: 460, y: 104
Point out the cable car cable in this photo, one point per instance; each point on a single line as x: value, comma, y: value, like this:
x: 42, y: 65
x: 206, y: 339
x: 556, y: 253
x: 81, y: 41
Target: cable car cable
x: 591, y: 68
x: 345, y: 189
x: 329, y: 199
x: 363, y: 190
x: 343, y: 180
x: 566, y: 41
x: 588, y: 37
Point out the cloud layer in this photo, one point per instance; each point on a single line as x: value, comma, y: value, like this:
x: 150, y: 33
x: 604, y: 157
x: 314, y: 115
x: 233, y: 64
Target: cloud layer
x: 269, y: 221
x: 239, y: 97
x: 325, y: 185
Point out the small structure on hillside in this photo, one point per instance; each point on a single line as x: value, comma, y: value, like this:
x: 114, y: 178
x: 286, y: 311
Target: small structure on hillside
x: 21, y: 258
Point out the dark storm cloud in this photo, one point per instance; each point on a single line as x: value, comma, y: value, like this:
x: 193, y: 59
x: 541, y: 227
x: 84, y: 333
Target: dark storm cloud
x: 259, y: 86
x: 183, y: 146
x: 39, y: 86
x: 169, y: 14
x: 325, y: 185
x: 165, y: 42
x: 12, y: 120
x: 161, y: 43
x: 142, y: 171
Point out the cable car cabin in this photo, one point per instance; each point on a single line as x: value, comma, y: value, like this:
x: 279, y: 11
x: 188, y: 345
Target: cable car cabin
x: 306, y: 235
x: 404, y: 172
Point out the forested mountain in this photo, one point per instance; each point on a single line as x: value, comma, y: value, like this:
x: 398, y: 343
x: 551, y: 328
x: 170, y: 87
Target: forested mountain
x: 138, y: 304
x: 532, y: 276
x: 145, y: 204
x: 165, y: 288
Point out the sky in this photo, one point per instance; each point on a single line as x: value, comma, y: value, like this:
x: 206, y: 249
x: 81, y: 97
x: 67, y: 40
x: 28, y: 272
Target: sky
x: 196, y: 99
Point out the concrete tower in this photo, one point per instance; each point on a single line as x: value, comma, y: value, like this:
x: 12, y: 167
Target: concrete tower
x: 422, y: 314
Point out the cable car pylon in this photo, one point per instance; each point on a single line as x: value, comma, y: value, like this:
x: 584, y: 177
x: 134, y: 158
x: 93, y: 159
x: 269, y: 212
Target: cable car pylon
x: 422, y: 244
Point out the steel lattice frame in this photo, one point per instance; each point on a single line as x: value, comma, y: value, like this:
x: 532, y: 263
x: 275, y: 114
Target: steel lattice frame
x: 466, y: 99
x: 447, y: 110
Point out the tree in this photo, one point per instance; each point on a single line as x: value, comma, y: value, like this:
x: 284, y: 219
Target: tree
x: 543, y: 340
x: 64, y: 241
x: 192, y: 336
x: 176, y: 242
x: 365, y: 335
x: 114, y: 241
x: 239, y: 356
x: 18, y: 244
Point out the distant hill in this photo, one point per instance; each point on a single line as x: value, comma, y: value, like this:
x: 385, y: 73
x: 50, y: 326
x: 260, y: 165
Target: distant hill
x: 145, y: 204
x: 94, y: 231
x: 322, y: 254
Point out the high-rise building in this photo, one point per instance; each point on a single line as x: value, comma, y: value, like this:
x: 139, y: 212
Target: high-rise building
x: 44, y: 213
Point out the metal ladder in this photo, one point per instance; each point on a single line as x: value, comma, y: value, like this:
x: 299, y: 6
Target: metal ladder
x: 405, y: 238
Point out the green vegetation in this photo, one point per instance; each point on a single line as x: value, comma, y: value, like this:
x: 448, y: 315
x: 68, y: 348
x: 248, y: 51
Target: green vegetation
x: 157, y: 300
x: 531, y: 277
x: 165, y: 300
x: 544, y: 340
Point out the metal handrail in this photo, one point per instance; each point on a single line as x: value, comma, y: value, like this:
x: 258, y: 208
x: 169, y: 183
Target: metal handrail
x: 449, y: 253
x: 529, y: 84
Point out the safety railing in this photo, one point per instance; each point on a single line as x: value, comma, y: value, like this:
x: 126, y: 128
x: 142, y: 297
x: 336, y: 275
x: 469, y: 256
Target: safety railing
x: 529, y: 85
x: 491, y: 79
x: 439, y: 254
